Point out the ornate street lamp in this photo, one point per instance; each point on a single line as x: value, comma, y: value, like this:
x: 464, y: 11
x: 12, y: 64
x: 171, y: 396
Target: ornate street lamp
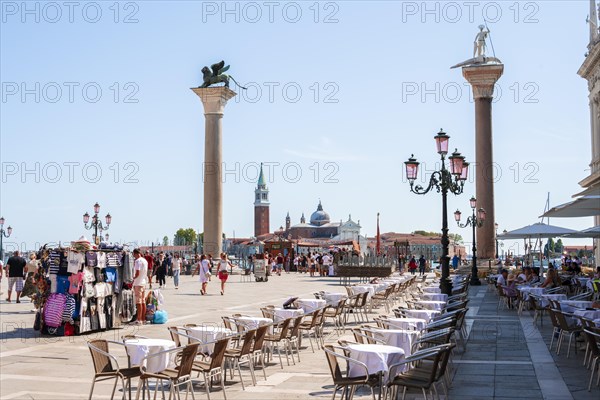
x: 443, y: 181
x: 96, y: 224
x: 3, y: 234
x: 475, y: 220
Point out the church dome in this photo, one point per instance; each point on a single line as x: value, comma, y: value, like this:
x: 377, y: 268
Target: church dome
x: 319, y: 217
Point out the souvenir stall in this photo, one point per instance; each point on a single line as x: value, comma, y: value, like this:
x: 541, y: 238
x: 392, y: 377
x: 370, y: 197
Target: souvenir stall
x: 83, y: 288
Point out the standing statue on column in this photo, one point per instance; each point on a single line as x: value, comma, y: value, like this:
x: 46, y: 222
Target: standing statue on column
x: 479, y: 44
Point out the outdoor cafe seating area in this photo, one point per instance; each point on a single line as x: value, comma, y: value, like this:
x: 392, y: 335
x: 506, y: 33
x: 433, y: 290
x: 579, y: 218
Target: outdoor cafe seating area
x: 379, y: 339
x: 570, y: 309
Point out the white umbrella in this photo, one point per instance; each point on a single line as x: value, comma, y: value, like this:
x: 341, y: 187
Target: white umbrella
x: 585, y: 206
x: 593, y: 232
x: 537, y: 230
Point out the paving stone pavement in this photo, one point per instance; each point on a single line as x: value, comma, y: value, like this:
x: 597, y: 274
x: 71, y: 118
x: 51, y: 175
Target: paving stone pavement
x: 506, y: 357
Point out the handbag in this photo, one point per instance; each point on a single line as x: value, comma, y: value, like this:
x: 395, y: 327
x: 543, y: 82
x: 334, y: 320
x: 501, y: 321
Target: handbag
x: 53, y: 310
x: 37, y: 323
x: 207, y: 274
x: 85, y: 324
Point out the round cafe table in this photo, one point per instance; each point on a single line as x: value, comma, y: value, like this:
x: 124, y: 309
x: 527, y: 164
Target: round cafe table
x: 139, y: 349
x: 377, y: 358
x: 363, y: 288
x: 432, y: 305
x: 427, y: 315
x: 253, y: 322
x: 432, y: 289
x: 310, y: 305
x: 407, y: 323
x: 570, y: 306
x: 332, y: 299
x: 403, y: 338
x: 589, y: 314
x: 526, y: 290
x: 208, y: 334
x: 280, y: 314
x: 545, y: 298
x: 435, y: 297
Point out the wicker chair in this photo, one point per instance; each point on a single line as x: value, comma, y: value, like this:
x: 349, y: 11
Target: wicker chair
x: 107, y: 367
x: 180, y: 375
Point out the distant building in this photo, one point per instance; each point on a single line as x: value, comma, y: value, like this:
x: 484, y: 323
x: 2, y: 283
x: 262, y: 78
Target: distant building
x: 261, y: 206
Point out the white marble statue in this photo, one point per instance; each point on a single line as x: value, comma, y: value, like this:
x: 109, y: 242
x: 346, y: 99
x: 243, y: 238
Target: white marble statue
x: 479, y: 44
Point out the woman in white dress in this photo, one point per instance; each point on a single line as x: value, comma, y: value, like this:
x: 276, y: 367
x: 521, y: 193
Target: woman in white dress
x: 204, y: 272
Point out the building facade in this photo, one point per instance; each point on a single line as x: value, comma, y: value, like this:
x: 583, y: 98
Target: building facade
x: 590, y: 71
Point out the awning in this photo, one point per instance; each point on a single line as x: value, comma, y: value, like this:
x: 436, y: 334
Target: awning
x: 585, y: 206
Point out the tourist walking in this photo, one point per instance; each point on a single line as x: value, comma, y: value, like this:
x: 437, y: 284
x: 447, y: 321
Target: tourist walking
x: 204, y: 273
x: 455, y: 261
x: 140, y: 276
x: 15, y: 271
x: 280, y: 261
x: 311, y: 264
x: 176, y: 265
x: 150, y: 261
x: 161, y: 270
x: 412, y: 265
x: 422, y: 265
x: 31, y: 270
x: 223, y: 274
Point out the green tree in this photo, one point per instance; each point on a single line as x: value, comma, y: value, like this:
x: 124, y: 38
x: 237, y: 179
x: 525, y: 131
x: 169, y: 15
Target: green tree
x: 425, y: 233
x: 456, y: 237
x: 185, y: 237
x: 558, y: 246
x: 165, y: 241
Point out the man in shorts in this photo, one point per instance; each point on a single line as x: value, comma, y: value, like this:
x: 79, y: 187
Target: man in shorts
x: 150, y: 260
x: 15, y: 268
x: 140, y: 276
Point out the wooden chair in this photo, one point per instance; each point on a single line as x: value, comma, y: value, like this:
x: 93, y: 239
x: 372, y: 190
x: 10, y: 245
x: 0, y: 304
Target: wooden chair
x: 337, y: 315
x: 566, y: 328
x: 107, y: 367
x: 311, y: 326
x: 592, y: 337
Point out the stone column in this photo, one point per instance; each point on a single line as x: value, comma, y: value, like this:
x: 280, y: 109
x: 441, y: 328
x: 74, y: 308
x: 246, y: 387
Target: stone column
x: 482, y: 78
x: 214, y: 100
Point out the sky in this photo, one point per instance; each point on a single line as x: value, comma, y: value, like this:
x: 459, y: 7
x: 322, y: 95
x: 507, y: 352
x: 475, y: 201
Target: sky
x: 96, y: 107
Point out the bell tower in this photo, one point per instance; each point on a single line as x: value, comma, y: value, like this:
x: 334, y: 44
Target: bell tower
x: 261, y: 206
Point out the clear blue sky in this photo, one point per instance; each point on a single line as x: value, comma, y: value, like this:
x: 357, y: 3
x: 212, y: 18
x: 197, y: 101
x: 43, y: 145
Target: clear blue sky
x: 375, y: 87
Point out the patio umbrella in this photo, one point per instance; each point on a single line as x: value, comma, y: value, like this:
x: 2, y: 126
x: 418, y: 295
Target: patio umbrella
x: 537, y: 230
x: 584, y: 206
x: 593, y: 232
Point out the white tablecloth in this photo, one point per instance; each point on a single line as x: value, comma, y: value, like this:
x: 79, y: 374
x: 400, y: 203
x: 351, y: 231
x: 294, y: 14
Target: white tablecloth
x: 570, y: 306
x: 546, y: 297
x: 209, y: 334
x: 403, y: 338
x: 423, y: 314
x: 589, y: 314
x: 434, y: 297
x: 333, y: 299
x: 281, y: 314
x: 363, y: 288
x: 377, y: 358
x: 407, y: 323
x: 432, y: 289
x: 432, y: 305
x: 138, y: 349
x: 310, y: 305
x: 253, y: 322
x: 530, y: 289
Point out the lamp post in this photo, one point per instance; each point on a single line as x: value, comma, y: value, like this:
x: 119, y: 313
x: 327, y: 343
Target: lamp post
x: 496, y: 237
x: 3, y: 234
x: 443, y: 181
x: 476, y: 221
x: 96, y: 223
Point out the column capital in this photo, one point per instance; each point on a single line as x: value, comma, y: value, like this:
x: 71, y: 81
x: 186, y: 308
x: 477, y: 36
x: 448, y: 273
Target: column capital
x: 483, y: 78
x: 214, y: 98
